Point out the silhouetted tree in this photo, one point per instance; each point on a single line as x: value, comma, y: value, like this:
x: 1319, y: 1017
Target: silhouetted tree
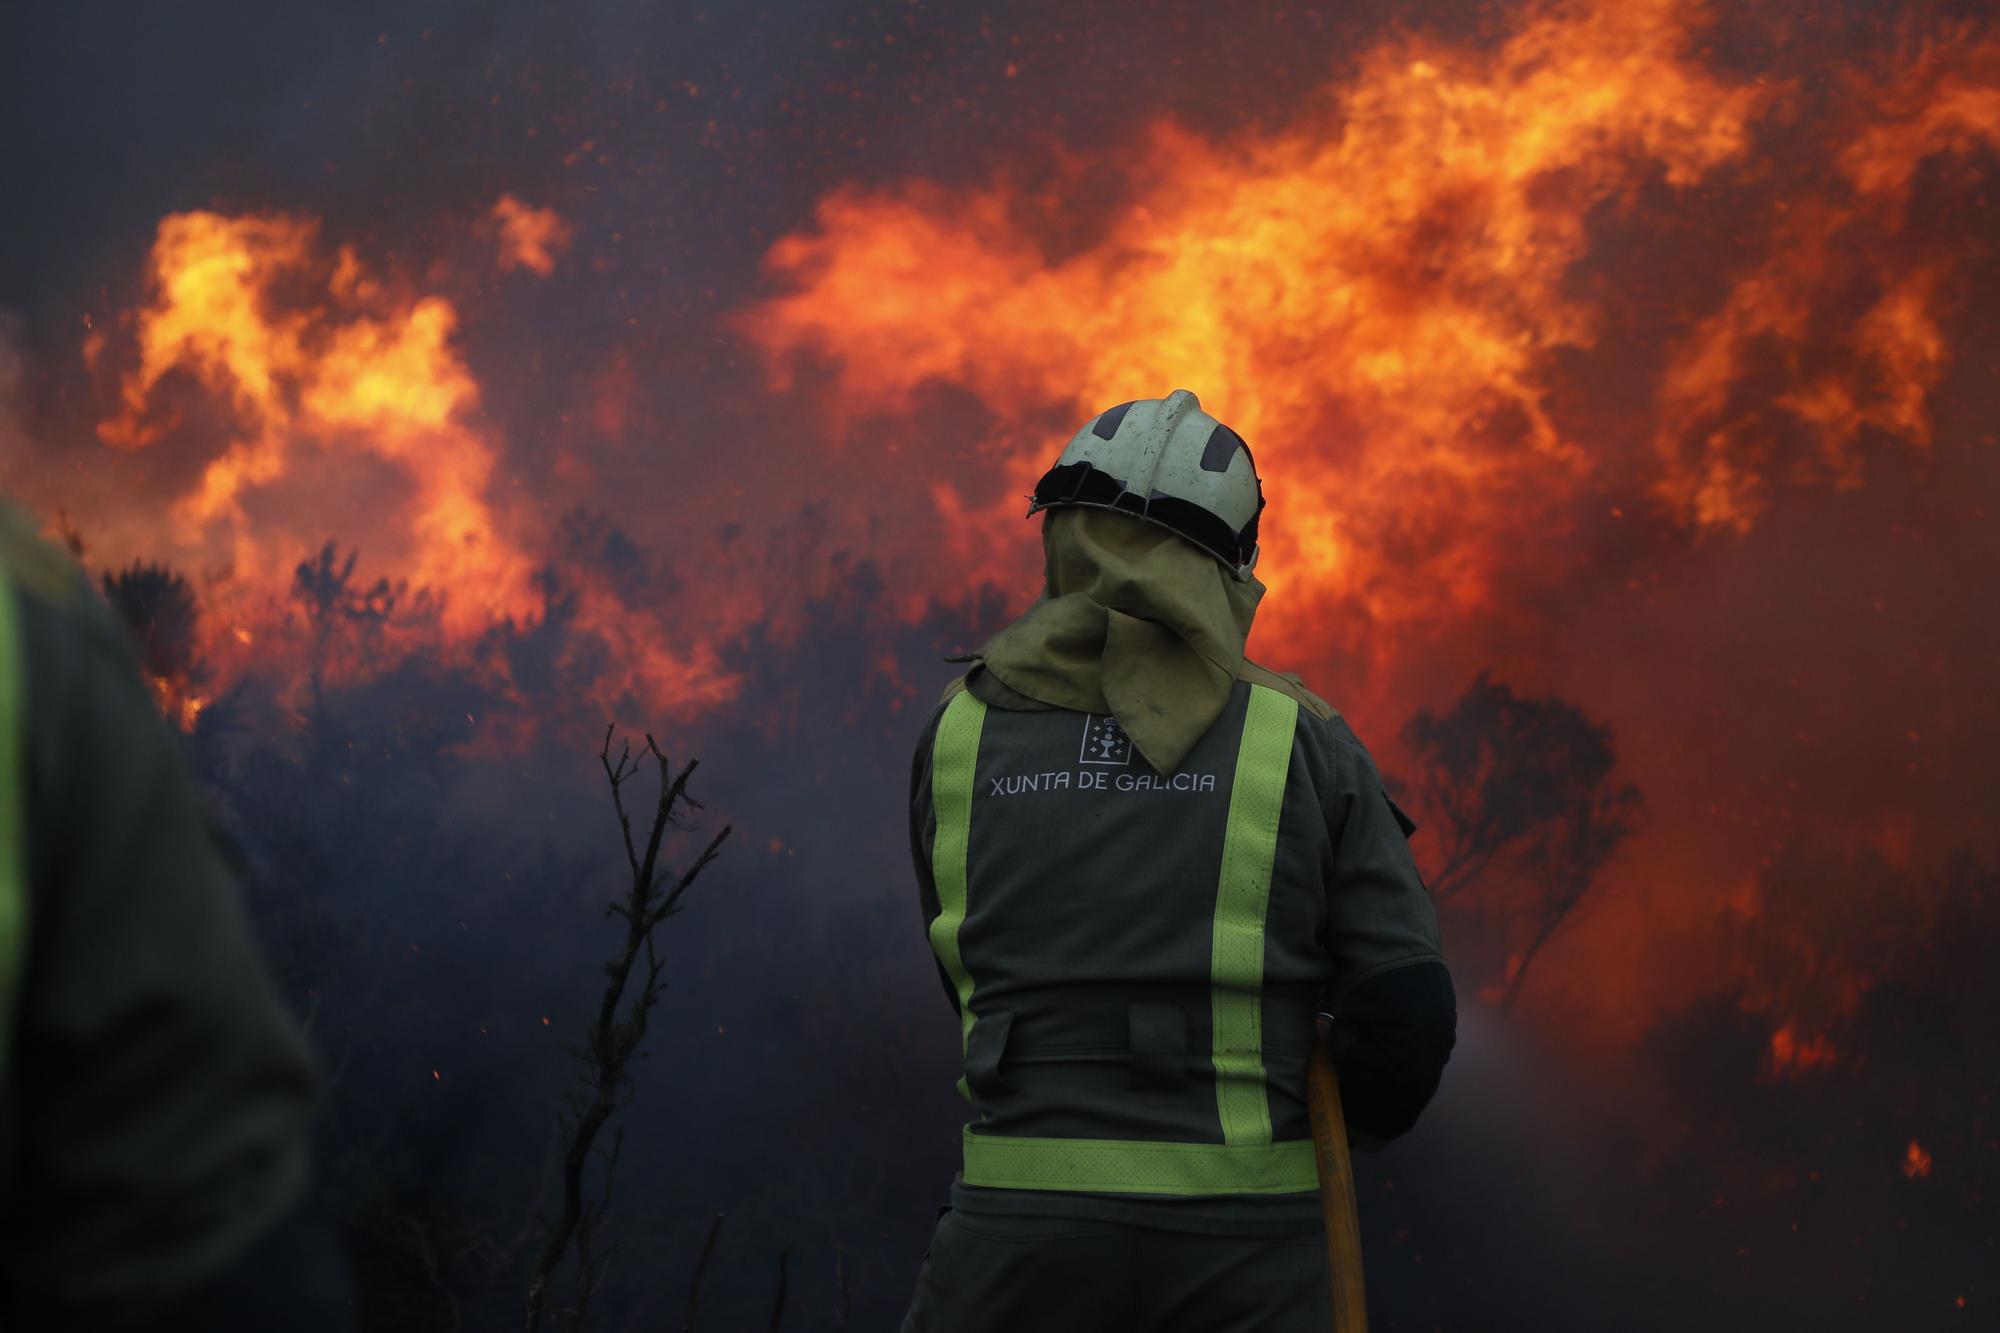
x: 158, y: 606
x: 614, y: 1037
x: 554, y: 667
x: 324, y: 587
x: 1521, y: 794
x: 342, y: 614
x: 1562, y: 861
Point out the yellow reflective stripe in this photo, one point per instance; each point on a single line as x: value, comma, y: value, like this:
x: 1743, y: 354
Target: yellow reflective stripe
x: 1236, y: 961
x: 954, y: 758
x: 1124, y: 1166
x: 13, y: 870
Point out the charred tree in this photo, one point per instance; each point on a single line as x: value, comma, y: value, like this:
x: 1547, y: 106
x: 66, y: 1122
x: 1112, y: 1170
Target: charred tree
x: 1523, y: 796
x: 1493, y: 771
x: 158, y: 606
x: 633, y: 985
x: 325, y: 590
x: 349, y: 621
x: 1562, y: 863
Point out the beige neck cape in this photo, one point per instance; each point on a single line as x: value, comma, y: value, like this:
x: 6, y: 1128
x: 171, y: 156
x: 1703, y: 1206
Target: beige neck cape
x: 1134, y: 622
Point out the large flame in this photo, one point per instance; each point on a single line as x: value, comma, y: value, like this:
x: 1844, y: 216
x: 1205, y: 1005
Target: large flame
x: 1384, y: 295
x: 1390, y: 294
x: 1846, y: 369
x: 1517, y: 328
x: 341, y: 387
x: 377, y: 377
x: 1477, y: 308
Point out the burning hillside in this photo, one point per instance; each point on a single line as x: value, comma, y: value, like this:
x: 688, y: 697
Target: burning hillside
x: 1513, y: 326
x: 1622, y: 376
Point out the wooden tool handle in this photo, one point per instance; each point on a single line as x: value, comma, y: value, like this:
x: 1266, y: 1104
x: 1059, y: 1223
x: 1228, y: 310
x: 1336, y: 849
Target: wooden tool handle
x: 1336, y: 1192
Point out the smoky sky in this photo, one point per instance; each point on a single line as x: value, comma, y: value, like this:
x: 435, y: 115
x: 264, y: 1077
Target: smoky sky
x: 721, y: 123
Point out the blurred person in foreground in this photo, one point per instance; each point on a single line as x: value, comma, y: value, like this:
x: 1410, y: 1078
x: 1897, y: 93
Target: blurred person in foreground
x: 155, y: 1095
x: 1145, y: 864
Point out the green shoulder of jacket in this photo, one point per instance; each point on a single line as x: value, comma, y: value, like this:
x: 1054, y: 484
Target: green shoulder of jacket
x: 35, y: 566
x: 1287, y: 683
x: 27, y: 565
x: 987, y: 688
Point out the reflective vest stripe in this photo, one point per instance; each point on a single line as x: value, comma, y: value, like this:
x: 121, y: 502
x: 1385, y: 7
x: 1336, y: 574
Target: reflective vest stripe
x: 1247, y: 1161
x: 1125, y: 1166
x: 13, y: 870
x: 1236, y: 962
x: 954, y: 758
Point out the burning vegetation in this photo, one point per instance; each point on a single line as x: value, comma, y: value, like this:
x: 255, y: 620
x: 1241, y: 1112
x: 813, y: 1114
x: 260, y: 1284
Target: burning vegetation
x: 1621, y: 375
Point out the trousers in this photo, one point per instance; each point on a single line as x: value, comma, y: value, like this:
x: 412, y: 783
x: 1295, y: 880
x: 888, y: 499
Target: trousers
x: 1000, y: 1274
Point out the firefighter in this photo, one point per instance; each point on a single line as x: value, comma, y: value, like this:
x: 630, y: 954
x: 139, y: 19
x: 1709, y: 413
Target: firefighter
x: 1146, y: 864
x: 155, y: 1095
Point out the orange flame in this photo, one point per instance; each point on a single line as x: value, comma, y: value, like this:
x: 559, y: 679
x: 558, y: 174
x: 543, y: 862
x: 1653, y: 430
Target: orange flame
x: 382, y: 380
x: 1379, y: 295
x: 530, y: 238
x: 337, y: 386
x: 1874, y: 369
x: 1792, y: 1055
x: 1916, y: 1162
x: 1463, y: 301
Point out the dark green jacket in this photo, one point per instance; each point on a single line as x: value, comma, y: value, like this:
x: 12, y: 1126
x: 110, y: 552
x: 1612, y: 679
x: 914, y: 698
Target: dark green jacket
x: 1090, y: 946
x: 154, y: 1093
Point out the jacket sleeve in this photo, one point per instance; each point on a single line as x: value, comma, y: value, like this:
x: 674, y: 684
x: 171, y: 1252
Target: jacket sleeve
x: 161, y: 1092
x: 1395, y: 1014
x: 923, y: 836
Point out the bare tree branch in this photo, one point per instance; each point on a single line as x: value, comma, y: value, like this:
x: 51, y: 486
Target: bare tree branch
x: 778, y: 1305
x: 619, y: 1029
x: 1565, y: 861
x: 701, y: 1271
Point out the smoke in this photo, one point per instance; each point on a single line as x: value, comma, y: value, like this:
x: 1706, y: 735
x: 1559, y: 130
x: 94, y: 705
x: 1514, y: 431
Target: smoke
x: 487, y: 378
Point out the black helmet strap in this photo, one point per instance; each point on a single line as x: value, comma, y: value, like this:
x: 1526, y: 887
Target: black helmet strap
x: 1081, y: 484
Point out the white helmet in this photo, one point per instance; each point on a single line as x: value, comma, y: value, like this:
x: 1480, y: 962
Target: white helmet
x: 1168, y: 462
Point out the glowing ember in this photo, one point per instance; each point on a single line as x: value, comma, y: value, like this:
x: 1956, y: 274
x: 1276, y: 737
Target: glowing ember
x: 1791, y: 1055
x: 1916, y: 1162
